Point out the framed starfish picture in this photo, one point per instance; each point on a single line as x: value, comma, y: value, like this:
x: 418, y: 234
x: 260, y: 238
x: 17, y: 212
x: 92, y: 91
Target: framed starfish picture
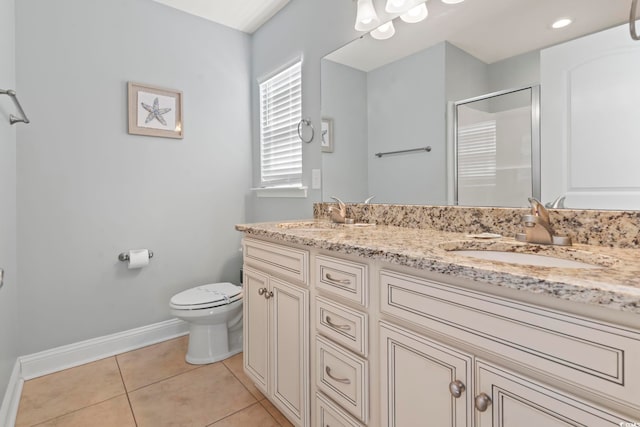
x: 155, y: 111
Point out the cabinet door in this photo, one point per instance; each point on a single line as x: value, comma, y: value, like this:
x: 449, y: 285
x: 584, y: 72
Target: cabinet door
x: 424, y: 383
x: 256, y: 327
x: 505, y: 399
x: 290, y: 348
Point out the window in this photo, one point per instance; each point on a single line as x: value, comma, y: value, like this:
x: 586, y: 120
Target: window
x: 280, y: 113
x: 477, y: 155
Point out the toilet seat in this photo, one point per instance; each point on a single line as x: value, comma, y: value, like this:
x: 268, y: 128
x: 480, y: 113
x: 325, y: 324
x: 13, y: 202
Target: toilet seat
x: 206, y: 296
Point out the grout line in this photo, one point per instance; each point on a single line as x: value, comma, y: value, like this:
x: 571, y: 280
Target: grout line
x: 78, y: 410
x: 126, y: 392
x: 168, y: 378
x: 244, y: 409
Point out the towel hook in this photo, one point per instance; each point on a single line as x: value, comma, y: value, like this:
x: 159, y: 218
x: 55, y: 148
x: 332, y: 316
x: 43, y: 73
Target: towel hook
x: 306, y: 122
x: 13, y: 119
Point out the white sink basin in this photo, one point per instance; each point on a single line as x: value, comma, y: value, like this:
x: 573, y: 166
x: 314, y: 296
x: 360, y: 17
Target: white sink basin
x: 524, y: 259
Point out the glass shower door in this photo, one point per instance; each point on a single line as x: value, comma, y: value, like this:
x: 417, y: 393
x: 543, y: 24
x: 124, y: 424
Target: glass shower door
x: 497, y: 149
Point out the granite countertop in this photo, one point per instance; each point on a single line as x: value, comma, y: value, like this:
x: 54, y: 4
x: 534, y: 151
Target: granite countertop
x: 615, y: 285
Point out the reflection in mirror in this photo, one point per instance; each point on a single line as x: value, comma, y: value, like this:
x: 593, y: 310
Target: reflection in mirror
x: 497, y: 148
x: 396, y: 101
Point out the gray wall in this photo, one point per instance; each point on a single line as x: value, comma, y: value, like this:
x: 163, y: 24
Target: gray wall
x: 9, y: 293
x: 406, y: 104
x: 344, y: 100
x: 311, y: 29
x: 87, y: 190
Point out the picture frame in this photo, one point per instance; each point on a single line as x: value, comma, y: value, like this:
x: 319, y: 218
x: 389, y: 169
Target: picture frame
x: 326, y: 135
x: 155, y: 111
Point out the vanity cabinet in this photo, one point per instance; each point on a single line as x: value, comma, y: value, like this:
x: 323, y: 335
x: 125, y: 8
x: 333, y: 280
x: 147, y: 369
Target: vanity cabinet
x: 276, y: 326
x: 375, y: 344
x: 341, y: 372
x: 422, y: 376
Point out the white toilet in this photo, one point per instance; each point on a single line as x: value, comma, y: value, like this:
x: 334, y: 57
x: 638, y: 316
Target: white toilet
x: 214, y: 314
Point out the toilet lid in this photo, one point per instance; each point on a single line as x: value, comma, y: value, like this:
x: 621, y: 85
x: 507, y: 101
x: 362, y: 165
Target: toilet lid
x: 207, y: 296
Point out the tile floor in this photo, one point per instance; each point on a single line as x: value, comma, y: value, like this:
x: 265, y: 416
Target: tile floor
x: 149, y: 387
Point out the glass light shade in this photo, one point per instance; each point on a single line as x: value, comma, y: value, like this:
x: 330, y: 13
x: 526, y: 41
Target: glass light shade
x: 401, y: 6
x: 366, y: 16
x: 416, y: 14
x: 384, y: 31
x: 452, y: 1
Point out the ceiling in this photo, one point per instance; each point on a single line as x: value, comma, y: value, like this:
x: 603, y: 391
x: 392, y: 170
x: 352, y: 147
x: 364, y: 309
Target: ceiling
x: 490, y: 30
x: 243, y: 15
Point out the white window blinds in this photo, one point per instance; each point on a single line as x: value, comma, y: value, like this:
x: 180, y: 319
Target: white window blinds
x: 280, y: 113
x: 477, y: 154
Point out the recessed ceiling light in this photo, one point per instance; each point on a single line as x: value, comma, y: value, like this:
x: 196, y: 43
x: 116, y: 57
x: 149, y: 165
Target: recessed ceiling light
x: 452, y: 1
x: 561, y: 23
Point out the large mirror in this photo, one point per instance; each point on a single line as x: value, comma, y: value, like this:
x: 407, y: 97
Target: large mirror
x: 399, y: 94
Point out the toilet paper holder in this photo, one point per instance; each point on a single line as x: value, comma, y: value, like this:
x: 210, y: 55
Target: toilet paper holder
x: 124, y: 256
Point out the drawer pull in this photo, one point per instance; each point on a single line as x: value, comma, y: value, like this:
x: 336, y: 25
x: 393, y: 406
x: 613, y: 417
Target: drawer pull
x: 482, y: 402
x: 456, y: 388
x: 340, y: 380
x: 342, y: 282
x: 336, y: 326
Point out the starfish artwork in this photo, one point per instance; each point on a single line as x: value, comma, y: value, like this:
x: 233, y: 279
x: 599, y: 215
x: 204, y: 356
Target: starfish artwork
x: 155, y: 112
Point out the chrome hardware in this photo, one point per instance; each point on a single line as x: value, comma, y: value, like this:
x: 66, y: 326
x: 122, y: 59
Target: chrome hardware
x: 124, y: 257
x: 558, y: 203
x: 1, y: 278
x: 537, y: 227
x: 368, y: 200
x: 268, y: 295
x: 340, y: 380
x: 13, y: 119
x: 456, y: 388
x: 412, y: 150
x: 342, y: 282
x: 336, y: 326
x: 306, y: 122
x: 261, y: 291
x: 482, y: 402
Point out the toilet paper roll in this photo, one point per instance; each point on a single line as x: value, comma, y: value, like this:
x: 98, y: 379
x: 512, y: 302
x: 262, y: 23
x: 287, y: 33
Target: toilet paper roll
x: 138, y: 258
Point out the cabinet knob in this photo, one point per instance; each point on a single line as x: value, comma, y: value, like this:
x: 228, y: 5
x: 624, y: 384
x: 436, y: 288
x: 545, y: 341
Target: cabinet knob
x: 482, y: 402
x: 261, y: 291
x: 268, y: 295
x: 456, y: 388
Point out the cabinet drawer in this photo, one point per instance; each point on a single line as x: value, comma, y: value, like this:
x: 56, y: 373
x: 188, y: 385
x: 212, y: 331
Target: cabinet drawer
x: 342, y: 324
x: 328, y: 414
x: 282, y: 261
x: 344, y: 278
x: 600, y: 357
x: 344, y: 377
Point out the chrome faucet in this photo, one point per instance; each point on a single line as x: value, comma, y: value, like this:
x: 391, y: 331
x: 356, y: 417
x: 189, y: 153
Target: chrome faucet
x: 538, y: 229
x: 557, y: 203
x: 338, y: 215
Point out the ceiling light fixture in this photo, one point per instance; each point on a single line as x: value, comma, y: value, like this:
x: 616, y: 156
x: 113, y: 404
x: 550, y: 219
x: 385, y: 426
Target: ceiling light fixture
x: 415, y: 14
x: 401, y: 6
x: 452, y: 1
x: 561, y: 23
x: 366, y: 16
x: 384, y: 31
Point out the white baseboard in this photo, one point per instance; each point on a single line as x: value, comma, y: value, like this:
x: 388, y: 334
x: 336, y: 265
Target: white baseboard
x: 9, y: 408
x: 68, y: 356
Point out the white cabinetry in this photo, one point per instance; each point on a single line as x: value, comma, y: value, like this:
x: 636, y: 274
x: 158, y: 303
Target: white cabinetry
x: 600, y: 359
x: 276, y: 326
x: 423, y: 380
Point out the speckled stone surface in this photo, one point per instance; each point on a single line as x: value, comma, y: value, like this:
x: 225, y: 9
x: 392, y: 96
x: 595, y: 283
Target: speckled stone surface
x: 619, y: 229
x: 616, y: 285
